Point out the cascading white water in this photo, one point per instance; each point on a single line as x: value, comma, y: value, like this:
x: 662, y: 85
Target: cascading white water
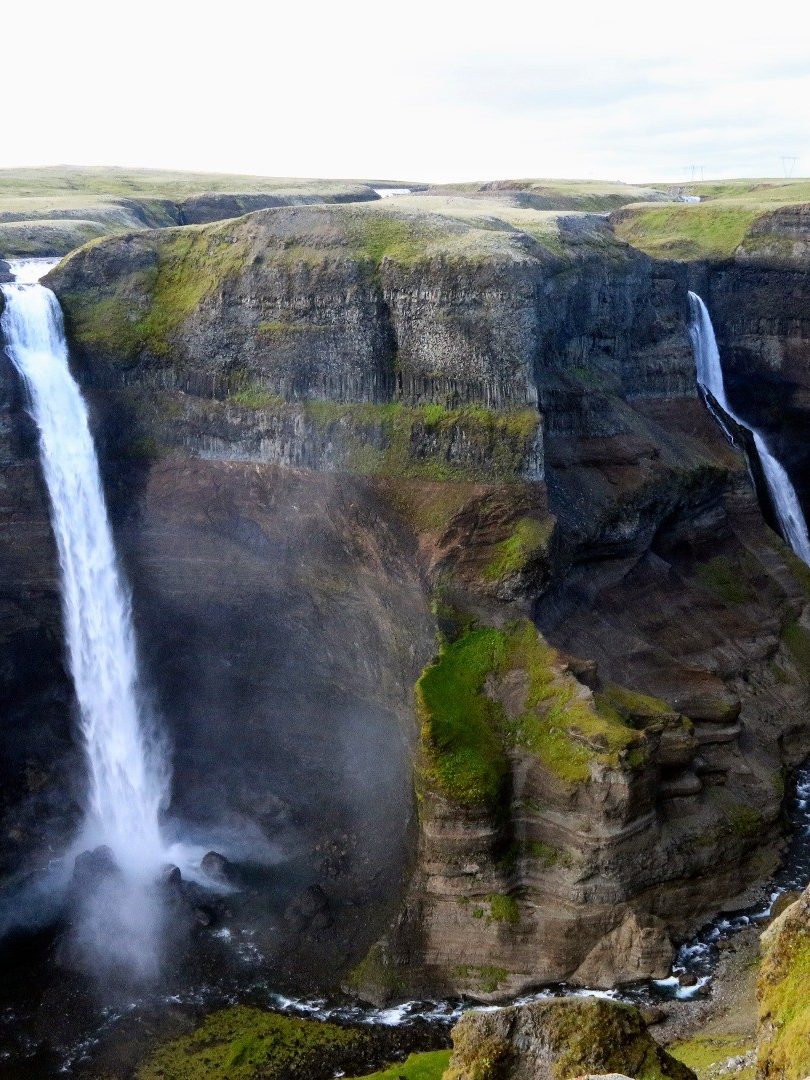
x: 710, y: 378
x: 127, y: 772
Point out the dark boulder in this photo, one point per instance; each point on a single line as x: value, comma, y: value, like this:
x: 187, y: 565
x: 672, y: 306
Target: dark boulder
x: 217, y: 867
x: 94, y: 866
x: 309, y: 909
x: 170, y: 876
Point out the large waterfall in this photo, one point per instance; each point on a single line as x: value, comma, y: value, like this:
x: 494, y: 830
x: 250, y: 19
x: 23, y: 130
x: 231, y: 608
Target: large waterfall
x: 710, y: 379
x: 127, y: 774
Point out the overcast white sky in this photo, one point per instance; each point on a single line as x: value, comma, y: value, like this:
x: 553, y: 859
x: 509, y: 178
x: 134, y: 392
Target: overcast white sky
x: 413, y: 90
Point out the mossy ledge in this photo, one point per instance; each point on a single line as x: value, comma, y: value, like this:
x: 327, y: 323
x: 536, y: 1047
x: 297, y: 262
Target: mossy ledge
x: 467, y: 729
x: 429, y: 442
x: 393, y: 440
x: 172, y: 272
x: 345, y: 303
x: 245, y: 1043
x: 710, y: 1055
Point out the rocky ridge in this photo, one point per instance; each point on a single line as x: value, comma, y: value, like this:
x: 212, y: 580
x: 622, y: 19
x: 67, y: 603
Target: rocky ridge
x: 558, y: 1040
x: 49, y: 212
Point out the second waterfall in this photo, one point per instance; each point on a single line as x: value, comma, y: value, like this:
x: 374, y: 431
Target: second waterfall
x: 783, y: 495
x: 128, y: 776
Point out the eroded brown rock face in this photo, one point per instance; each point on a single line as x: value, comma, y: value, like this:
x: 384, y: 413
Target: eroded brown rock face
x: 314, y: 430
x: 666, y: 576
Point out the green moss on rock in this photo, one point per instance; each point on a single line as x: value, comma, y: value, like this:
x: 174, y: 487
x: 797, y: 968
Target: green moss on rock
x: 726, y: 579
x: 379, y: 236
x: 244, y: 1043
x: 639, y: 710
x: 415, y: 441
x: 744, y: 821
x: 466, y: 730
x: 463, y: 753
x: 427, y: 506
x: 375, y: 975
x: 798, y: 569
x: 547, y: 855
x: 684, y: 231
x: 504, y: 909
x: 559, y: 1039
x: 151, y: 303
x: 255, y: 396
x: 561, y: 722
x: 276, y: 328
x: 707, y: 1055
x: 784, y: 1039
x: 529, y: 539
x: 486, y: 978
x: 426, y: 1066
x: 797, y: 640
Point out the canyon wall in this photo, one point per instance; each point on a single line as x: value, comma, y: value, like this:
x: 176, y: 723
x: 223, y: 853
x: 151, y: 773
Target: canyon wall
x: 411, y: 492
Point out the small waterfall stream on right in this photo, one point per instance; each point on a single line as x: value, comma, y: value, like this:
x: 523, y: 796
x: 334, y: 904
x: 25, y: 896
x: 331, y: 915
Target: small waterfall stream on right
x: 698, y: 957
x: 786, y: 504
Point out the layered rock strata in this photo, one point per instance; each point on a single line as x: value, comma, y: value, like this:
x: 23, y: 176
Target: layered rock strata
x: 498, y: 424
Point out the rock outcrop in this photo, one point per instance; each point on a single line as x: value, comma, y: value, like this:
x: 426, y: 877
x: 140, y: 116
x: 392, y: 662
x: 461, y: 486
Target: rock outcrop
x: 783, y: 1049
x: 760, y: 308
x: 558, y: 1040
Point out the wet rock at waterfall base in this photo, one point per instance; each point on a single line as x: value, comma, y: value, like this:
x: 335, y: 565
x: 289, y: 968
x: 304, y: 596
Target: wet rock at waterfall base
x: 783, y: 902
x: 170, y: 877
x: 652, y: 1015
x: 218, y: 868
x: 309, y: 909
x: 94, y: 866
x: 203, y: 917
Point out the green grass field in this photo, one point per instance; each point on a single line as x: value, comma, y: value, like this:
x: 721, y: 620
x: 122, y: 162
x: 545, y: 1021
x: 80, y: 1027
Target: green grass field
x: 50, y: 211
x: 715, y: 227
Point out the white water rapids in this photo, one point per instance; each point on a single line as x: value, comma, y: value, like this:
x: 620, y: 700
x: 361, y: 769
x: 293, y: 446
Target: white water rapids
x: 710, y: 379
x: 128, y: 779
